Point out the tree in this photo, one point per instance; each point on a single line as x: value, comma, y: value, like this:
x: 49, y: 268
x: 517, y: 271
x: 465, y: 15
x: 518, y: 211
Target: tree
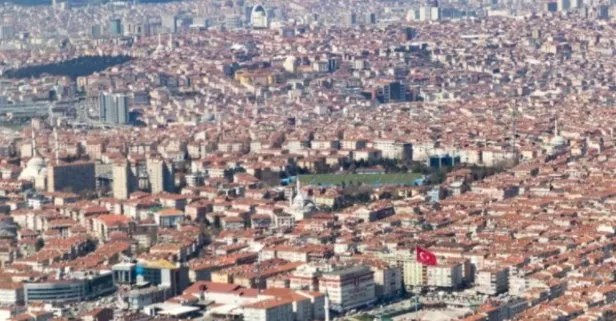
x: 436, y: 177
x: 39, y: 244
x: 352, y: 167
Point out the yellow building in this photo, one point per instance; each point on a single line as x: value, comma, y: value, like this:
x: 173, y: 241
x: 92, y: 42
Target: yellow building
x: 412, y: 273
x: 258, y: 77
x: 222, y: 276
x: 161, y: 264
x: 330, y: 199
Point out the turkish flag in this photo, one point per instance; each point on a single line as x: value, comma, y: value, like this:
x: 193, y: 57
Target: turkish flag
x: 424, y: 256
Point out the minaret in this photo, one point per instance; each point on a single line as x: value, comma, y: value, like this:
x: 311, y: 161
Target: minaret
x: 326, y: 306
x: 32, y: 141
x: 555, y: 126
x: 55, y: 135
x: 170, y: 42
x: 298, y: 187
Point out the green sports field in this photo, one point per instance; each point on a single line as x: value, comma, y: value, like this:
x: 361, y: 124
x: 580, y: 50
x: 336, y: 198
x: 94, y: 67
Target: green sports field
x: 356, y: 179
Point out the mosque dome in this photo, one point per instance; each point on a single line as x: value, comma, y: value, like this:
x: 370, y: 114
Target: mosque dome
x: 34, y: 167
x: 557, y: 141
x: 301, y: 205
x: 36, y: 162
x: 298, y: 200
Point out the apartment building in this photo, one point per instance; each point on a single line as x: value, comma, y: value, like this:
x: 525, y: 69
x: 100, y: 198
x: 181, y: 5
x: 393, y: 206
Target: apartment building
x: 492, y: 281
x: 11, y: 293
x: 77, y: 177
x: 349, y: 288
x: 387, y: 280
x: 392, y: 149
x: 445, y: 275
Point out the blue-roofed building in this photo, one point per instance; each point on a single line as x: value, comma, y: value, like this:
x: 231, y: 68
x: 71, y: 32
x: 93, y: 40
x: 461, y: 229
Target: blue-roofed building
x: 443, y: 160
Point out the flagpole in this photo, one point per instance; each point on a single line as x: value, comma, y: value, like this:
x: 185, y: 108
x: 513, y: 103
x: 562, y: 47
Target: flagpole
x: 428, y: 260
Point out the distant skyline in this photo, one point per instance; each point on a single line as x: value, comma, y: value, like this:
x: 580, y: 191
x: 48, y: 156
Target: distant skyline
x: 308, y: 160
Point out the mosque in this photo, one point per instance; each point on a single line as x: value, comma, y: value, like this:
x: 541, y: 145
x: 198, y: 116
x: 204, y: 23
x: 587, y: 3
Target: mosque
x: 36, y: 168
x: 301, y: 206
x: 557, y: 143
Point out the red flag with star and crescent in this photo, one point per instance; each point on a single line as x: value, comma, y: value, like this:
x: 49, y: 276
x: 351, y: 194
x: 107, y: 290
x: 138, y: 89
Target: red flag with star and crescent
x: 425, y: 257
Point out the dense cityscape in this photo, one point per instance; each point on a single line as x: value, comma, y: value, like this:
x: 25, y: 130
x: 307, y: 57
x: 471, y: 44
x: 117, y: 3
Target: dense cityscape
x: 332, y: 160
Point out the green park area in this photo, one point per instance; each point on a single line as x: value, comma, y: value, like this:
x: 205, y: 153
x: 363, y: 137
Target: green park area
x: 364, y: 317
x: 359, y: 179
